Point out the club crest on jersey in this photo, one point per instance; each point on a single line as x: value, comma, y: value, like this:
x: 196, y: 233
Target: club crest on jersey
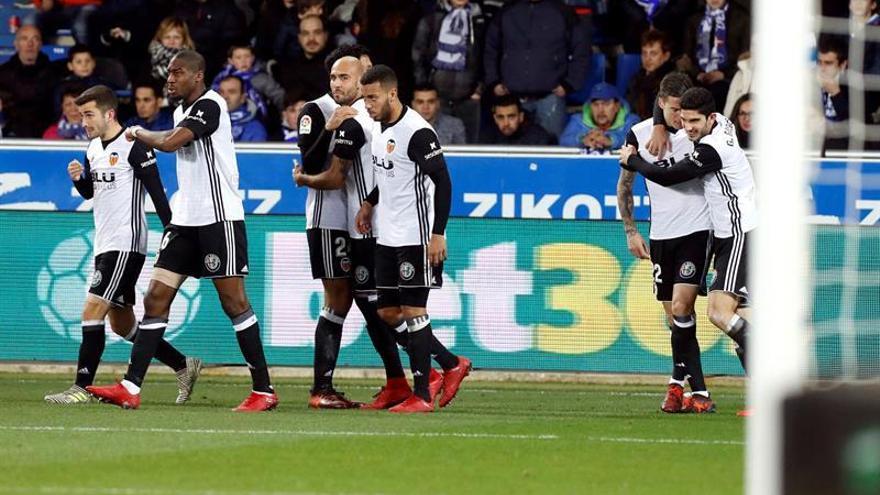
x: 212, y: 262
x: 305, y: 125
x: 361, y: 274
x: 114, y: 158
x: 345, y: 264
x: 96, y: 278
x: 407, y: 270
x: 687, y: 270
x: 389, y: 146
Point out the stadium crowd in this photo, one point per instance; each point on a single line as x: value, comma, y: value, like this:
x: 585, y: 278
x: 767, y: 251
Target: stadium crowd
x: 578, y: 73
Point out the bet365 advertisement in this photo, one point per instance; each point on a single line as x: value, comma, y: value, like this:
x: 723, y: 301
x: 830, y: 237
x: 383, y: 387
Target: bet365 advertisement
x: 518, y: 294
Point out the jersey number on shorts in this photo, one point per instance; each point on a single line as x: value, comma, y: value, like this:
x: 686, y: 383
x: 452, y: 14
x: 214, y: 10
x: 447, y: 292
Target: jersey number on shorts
x: 340, y: 247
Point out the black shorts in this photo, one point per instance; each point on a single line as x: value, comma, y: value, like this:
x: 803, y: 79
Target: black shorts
x: 116, y: 273
x: 217, y: 250
x: 406, y: 266
x: 329, y: 253
x: 731, y: 265
x: 682, y: 260
x: 363, y: 259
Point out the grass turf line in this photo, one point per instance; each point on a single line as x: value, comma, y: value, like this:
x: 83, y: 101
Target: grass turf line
x: 495, y: 438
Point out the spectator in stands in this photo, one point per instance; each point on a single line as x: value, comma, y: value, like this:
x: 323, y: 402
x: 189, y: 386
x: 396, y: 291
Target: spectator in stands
x: 121, y: 30
x: 447, y: 53
x: 69, y: 126
x: 633, y: 17
x: 277, y: 30
x: 539, y: 51
x: 52, y: 15
x: 259, y: 86
x: 450, y: 130
x: 306, y: 73
x: 742, y: 81
x: 603, y: 124
x: 642, y: 89
x: 151, y: 115
x: 30, y: 80
x: 831, y: 72
x: 388, y: 29
x: 81, y: 64
x: 171, y: 37
x: 512, y: 127
x: 742, y: 119
x: 214, y: 25
x: 289, y: 131
x: 246, y: 126
x: 714, y: 40
x: 864, y: 25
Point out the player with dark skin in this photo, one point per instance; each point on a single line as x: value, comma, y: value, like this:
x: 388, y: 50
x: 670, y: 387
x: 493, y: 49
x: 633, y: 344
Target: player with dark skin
x: 185, y: 84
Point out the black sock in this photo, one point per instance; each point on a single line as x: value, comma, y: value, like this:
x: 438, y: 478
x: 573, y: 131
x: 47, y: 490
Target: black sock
x: 687, y: 327
x: 150, y: 333
x: 678, y: 344
x: 741, y: 355
x: 328, y: 337
x: 441, y: 354
x: 247, y: 332
x: 382, y: 338
x: 420, y: 335
x: 166, y: 353
x: 401, y: 336
x: 90, y: 351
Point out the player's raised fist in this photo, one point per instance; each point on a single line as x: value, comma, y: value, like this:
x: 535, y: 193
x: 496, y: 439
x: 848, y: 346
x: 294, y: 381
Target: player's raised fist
x: 75, y: 169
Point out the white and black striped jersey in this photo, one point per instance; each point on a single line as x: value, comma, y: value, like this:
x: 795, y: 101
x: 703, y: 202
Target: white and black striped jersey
x: 353, y: 141
x: 404, y: 152
x: 730, y: 190
x: 207, y: 169
x: 117, y: 173
x: 727, y: 178
x: 676, y: 210
x: 325, y: 209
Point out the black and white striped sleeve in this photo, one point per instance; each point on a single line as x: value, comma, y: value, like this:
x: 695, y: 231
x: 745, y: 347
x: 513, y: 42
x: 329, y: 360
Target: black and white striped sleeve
x: 704, y: 160
x: 143, y: 163
x: 425, y: 151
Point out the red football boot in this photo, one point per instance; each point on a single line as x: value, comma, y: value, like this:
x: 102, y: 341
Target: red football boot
x: 414, y: 404
x: 435, y: 384
x: 395, y: 391
x: 745, y: 413
x: 331, y: 399
x: 697, y: 404
x: 674, y: 399
x: 116, y: 395
x: 452, y: 380
x: 258, y: 402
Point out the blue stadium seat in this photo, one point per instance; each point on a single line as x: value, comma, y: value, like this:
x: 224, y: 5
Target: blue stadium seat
x: 628, y: 65
x: 596, y: 75
x: 55, y: 52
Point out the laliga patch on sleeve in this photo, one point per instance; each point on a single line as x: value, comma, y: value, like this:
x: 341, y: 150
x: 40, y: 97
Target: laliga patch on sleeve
x: 305, y: 125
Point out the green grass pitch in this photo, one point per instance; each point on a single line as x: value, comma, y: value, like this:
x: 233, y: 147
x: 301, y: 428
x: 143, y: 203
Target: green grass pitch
x: 495, y: 438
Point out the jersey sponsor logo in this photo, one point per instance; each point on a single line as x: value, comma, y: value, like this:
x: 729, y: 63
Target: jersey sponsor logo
x: 696, y: 159
x: 96, y: 278
x: 198, y: 117
x: 212, y: 262
x: 435, y: 151
x: 687, y: 270
x: 390, y: 145
x: 407, y: 270
x: 151, y: 159
x: 305, y: 125
x: 114, y: 159
x: 345, y: 264
x: 361, y: 274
